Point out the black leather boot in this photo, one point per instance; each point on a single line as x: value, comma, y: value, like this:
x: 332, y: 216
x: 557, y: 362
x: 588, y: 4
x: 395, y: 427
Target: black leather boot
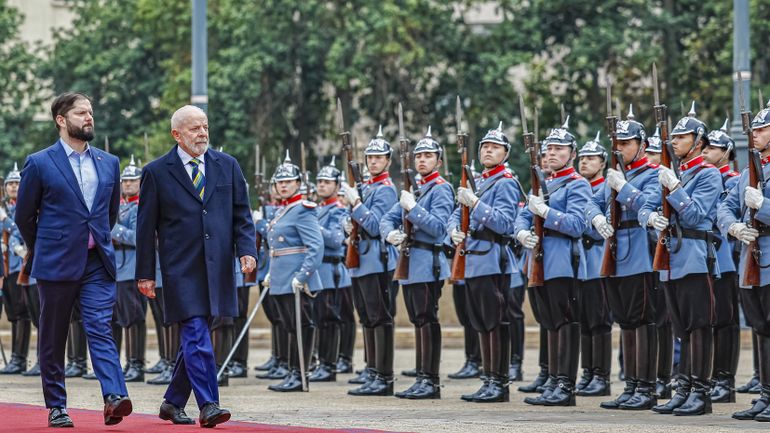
x: 550, y: 384
x: 429, y: 386
x: 347, y: 347
x: 759, y: 406
x: 515, y: 371
x: 753, y: 383
x: 370, y: 354
x: 221, y: 340
x: 602, y: 359
x: 18, y: 361
x: 586, y: 361
x: 541, y: 377
x: 291, y: 383
x: 646, y: 357
x: 665, y: 361
x: 698, y: 402
x: 628, y: 346
x: 567, y: 365
x: 495, y: 391
x: 701, y: 353
x: 135, y: 348
x: 726, y: 352
x: 417, y: 355
x: 382, y: 384
x: 471, y: 368
x: 678, y: 399
x: 328, y: 351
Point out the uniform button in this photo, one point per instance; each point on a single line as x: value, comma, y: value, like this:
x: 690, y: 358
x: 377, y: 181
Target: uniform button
x: 205, y: 212
x: 207, y: 236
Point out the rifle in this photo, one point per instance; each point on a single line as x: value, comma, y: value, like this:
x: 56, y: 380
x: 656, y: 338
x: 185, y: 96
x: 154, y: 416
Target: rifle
x: 536, y: 268
x: 756, y: 179
x: 352, y: 260
x: 407, y: 182
x: 447, y: 172
x: 303, y: 167
x: 107, y: 144
x: 661, y: 262
x: 6, y: 235
x: 609, y: 260
x: 458, y: 263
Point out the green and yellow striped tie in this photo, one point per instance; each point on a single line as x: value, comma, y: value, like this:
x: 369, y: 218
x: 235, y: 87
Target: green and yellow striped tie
x: 198, y: 179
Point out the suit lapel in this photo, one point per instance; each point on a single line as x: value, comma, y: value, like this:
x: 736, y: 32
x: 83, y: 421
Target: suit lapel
x: 174, y: 164
x: 60, y: 160
x: 212, y: 175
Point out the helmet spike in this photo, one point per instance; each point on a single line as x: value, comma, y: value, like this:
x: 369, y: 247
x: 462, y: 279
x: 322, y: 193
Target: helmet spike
x: 630, y: 115
x: 725, y: 125
x: 132, y: 160
x: 15, y: 166
x: 657, y: 132
x: 428, y: 134
x: 566, y: 123
x: 334, y: 161
x: 287, y: 160
x: 598, y: 134
x: 379, y: 133
x: 500, y: 126
x: 691, y: 113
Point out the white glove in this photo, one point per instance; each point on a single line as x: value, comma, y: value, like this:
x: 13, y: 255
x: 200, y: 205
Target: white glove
x: 743, y: 233
x: 407, y: 201
x: 657, y: 221
x: 753, y: 197
x: 3, y: 214
x: 537, y: 206
x: 20, y: 250
x: 266, y: 281
x: 256, y: 215
x: 667, y: 178
x: 347, y: 225
x: 3, y: 247
x: 395, y: 237
x: 615, y: 179
x: 296, y: 285
x: 602, y: 226
x: 457, y: 236
x: 351, y: 195
x: 527, y: 239
x: 466, y: 197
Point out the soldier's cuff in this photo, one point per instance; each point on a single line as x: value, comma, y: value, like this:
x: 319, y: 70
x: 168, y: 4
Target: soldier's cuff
x: 763, y: 213
x: 679, y: 200
x: 628, y: 194
x: 554, y: 220
x: 481, y: 213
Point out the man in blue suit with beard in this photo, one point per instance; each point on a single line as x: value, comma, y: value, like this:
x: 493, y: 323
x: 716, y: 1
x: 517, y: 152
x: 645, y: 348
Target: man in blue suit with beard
x: 67, y: 204
x: 195, y: 208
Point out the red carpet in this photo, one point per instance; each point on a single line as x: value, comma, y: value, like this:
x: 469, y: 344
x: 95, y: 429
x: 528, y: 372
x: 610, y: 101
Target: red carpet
x: 23, y: 418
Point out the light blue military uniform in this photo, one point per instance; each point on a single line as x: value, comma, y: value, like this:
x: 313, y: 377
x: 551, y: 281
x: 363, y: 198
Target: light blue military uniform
x: 379, y: 195
x: 633, y: 252
x: 495, y: 212
x: 331, y: 214
x: 296, y: 246
x: 727, y: 243
x: 435, y: 203
x: 14, y: 239
x: 569, y: 193
x: 695, y: 203
x: 594, y: 254
x: 124, y: 238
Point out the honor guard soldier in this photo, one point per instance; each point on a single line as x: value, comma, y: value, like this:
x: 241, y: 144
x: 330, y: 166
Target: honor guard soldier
x: 489, y: 261
x: 595, y: 320
x: 653, y: 149
x: 428, y: 208
x: 372, y: 279
x: 689, y: 285
x: 334, y: 275
x: 514, y: 300
x: 735, y: 221
x: 630, y: 289
x: 130, y: 305
x: 13, y: 293
x: 296, y: 253
x: 563, y: 260
x: 727, y: 342
x: 349, y: 320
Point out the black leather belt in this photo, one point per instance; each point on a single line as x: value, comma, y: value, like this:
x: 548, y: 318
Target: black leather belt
x: 589, y: 242
x: 333, y: 259
x: 629, y: 224
x: 436, y: 249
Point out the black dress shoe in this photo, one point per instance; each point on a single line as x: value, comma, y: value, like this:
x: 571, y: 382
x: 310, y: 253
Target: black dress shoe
x: 411, y: 389
x: 663, y: 388
x: 279, y: 372
x: 34, y: 371
x: 548, y: 387
x: 677, y: 400
x: 176, y: 415
x: 291, y: 383
x: 497, y: 391
x: 58, y: 417
x: 211, y: 415
x: 324, y: 373
x: 409, y: 373
x: 540, y: 379
x: 367, y: 375
x: 237, y: 369
x: 599, y: 386
x: 159, y: 366
x: 753, y: 382
x: 344, y: 366
x: 585, y: 379
x: 380, y: 386
x: 760, y: 405
x: 469, y: 370
x: 515, y: 372
x: 481, y: 390
x: 627, y: 393
x: 16, y: 365
x: 427, y: 389
x: 164, y: 378
x: 134, y: 372
x: 74, y: 369
x: 723, y: 391
x: 115, y: 408
x: 267, y: 365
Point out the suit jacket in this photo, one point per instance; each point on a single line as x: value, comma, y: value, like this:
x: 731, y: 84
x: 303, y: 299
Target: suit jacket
x: 53, y: 218
x: 197, y: 240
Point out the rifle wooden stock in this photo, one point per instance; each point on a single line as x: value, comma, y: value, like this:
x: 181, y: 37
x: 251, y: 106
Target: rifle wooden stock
x: 402, y: 265
x: 609, y: 259
x: 6, y: 253
x: 536, y: 267
x: 751, y: 267
x: 352, y: 259
x: 662, y: 260
x: 458, y: 262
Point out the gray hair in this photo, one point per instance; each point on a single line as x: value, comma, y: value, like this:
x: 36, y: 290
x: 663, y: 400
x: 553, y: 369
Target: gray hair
x: 182, y: 114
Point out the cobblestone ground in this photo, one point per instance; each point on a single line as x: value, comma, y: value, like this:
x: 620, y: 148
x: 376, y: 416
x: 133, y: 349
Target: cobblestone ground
x: 328, y: 405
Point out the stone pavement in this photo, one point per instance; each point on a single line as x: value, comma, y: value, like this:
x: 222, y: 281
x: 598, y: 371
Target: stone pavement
x: 328, y: 405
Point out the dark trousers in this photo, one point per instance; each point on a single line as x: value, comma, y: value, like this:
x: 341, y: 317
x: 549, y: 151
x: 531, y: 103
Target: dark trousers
x: 594, y: 312
x: 485, y: 297
x: 691, y: 303
x: 421, y: 301
x: 13, y: 299
x: 372, y: 297
x: 130, y: 304
x: 95, y: 292
x: 195, y: 370
x: 629, y: 300
x: 756, y: 306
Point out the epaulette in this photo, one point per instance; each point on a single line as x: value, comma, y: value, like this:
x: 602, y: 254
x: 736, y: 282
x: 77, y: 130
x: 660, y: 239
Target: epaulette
x: 309, y: 204
x: 439, y: 181
x: 508, y: 175
x: 387, y: 182
x: 340, y: 205
x: 575, y: 176
x: 733, y: 174
x: 652, y: 165
x: 522, y: 204
x: 707, y: 165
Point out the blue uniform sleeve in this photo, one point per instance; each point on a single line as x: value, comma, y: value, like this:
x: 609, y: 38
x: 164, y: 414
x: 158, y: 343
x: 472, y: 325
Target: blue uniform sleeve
x: 391, y: 220
x: 729, y: 209
x: 572, y: 222
x: 597, y: 205
x: 369, y: 218
x: 310, y: 235
x: 434, y: 223
x: 500, y: 218
x: 692, y: 210
x: 125, y: 234
x: 653, y: 196
x: 333, y: 235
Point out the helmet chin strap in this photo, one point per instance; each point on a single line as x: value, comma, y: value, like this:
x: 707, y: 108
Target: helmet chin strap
x: 694, y: 145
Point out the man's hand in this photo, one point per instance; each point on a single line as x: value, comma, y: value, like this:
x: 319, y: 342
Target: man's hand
x: 527, y: 239
x: 753, y: 197
x: 3, y: 214
x: 407, y: 201
x: 248, y: 264
x: 351, y: 195
x: 615, y: 179
x: 296, y: 285
x: 743, y: 233
x: 602, y: 226
x: 667, y: 178
x: 657, y: 221
x: 457, y: 236
x: 537, y: 206
x: 20, y: 250
x: 347, y: 225
x: 147, y: 287
x: 266, y: 281
x: 256, y: 215
x: 466, y: 197
x: 395, y: 237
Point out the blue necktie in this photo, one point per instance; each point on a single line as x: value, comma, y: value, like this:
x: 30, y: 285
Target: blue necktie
x: 198, y: 179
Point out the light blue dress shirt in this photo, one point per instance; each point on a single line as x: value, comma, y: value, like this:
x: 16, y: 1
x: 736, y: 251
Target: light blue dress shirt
x: 85, y: 172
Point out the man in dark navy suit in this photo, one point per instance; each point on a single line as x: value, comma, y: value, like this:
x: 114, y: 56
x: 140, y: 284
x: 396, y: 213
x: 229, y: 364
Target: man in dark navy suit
x: 195, y: 208
x: 68, y: 202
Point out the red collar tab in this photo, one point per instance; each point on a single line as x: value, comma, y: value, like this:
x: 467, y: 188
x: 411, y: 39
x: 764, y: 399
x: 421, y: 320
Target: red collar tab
x: 489, y: 173
x: 637, y: 164
x: 765, y: 160
x: 133, y: 199
x: 330, y: 200
x: 430, y: 177
x: 724, y: 169
x: 698, y: 160
x: 12, y: 201
x: 597, y: 182
x: 295, y: 198
x: 379, y: 178
x: 564, y: 172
